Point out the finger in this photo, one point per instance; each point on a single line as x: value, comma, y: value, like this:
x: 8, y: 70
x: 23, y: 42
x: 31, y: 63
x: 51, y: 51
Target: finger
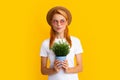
x: 65, y: 61
x: 57, y: 62
x: 59, y: 66
x: 64, y: 65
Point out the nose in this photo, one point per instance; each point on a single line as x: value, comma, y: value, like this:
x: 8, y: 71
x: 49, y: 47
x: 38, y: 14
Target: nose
x: 58, y: 23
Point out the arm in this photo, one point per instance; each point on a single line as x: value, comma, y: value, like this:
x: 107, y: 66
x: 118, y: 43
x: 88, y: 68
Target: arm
x: 77, y: 68
x: 48, y: 71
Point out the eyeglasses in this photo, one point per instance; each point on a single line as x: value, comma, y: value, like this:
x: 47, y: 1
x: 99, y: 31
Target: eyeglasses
x: 56, y: 22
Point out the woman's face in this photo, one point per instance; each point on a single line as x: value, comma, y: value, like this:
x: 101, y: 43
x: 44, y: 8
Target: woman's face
x: 59, y: 23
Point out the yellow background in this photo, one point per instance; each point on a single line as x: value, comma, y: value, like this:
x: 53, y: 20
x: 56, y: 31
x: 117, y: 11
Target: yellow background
x: 23, y: 27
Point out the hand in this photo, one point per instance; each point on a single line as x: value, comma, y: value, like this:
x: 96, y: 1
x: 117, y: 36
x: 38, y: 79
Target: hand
x: 65, y: 66
x: 57, y: 65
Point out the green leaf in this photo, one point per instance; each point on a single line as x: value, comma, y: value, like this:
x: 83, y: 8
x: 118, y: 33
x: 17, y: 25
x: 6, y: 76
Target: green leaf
x: 61, y: 48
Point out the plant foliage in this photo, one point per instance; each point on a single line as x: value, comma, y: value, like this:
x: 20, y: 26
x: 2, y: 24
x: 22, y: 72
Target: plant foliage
x: 61, y: 48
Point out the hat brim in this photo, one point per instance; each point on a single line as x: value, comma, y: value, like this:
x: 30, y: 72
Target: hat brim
x: 48, y: 17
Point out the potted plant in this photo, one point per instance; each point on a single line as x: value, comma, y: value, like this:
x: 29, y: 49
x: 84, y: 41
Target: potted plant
x: 61, y: 50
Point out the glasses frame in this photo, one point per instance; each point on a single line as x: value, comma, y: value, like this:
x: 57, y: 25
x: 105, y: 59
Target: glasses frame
x: 60, y: 22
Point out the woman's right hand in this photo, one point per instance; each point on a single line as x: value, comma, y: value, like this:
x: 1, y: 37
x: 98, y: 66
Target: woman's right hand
x: 57, y: 65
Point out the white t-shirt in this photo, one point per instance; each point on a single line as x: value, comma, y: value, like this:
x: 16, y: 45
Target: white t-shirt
x: 75, y: 49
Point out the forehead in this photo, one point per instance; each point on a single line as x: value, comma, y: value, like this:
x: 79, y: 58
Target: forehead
x: 58, y: 17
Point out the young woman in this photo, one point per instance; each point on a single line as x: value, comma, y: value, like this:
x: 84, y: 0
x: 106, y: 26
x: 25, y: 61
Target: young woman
x: 59, y: 19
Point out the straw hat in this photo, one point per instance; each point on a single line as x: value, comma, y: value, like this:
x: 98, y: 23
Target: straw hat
x: 49, y: 14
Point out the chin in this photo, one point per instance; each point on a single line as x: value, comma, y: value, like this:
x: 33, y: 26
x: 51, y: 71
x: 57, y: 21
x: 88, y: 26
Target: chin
x: 59, y: 31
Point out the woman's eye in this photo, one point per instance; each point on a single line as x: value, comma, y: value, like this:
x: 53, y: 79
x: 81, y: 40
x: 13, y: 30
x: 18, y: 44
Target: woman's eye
x: 62, y: 21
x: 55, y: 21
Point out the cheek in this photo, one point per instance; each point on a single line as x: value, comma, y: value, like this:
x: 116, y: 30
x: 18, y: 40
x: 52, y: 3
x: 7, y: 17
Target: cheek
x: 64, y: 27
x: 54, y: 28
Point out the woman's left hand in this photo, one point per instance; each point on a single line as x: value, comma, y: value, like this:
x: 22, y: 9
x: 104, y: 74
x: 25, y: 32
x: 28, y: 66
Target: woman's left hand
x: 65, y: 66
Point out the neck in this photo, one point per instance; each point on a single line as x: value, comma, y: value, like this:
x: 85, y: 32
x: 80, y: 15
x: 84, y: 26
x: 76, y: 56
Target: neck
x: 60, y: 35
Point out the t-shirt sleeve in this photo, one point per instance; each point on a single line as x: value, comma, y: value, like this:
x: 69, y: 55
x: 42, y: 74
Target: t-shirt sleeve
x: 78, y: 47
x: 43, y: 50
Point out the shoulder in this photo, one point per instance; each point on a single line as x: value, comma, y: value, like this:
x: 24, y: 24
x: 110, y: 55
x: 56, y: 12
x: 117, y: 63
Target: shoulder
x: 46, y: 42
x: 74, y: 38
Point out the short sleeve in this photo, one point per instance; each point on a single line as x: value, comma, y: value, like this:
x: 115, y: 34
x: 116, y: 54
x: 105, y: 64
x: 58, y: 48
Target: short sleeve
x: 43, y: 50
x: 78, y: 47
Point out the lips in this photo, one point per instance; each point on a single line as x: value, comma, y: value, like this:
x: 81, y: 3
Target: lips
x: 59, y: 28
